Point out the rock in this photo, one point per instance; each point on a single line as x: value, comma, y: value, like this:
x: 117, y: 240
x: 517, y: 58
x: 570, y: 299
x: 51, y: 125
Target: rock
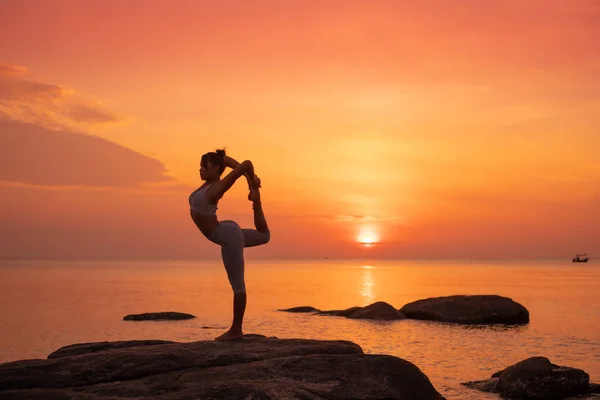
x: 489, y: 385
x: 530, y: 367
x: 257, y: 336
x: 340, y: 313
x: 462, y: 309
x: 168, y: 315
x: 83, y: 348
x: 254, y: 367
x: 301, y: 309
x: 379, y: 310
x: 536, y: 378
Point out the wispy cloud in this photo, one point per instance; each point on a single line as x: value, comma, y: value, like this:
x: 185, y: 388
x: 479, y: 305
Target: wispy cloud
x: 48, y: 105
x: 9, y: 69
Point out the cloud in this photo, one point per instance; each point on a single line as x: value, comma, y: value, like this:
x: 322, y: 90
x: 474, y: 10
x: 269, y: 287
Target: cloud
x: 48, y: 105
x: 36, y: 155
x: 9, y: 69
x: 90, y: 113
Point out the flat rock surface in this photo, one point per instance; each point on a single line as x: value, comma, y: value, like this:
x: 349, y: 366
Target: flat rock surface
x: 301, y: 309
x: 84, y: 348
x: 254, y: 367
x: 154, y: 316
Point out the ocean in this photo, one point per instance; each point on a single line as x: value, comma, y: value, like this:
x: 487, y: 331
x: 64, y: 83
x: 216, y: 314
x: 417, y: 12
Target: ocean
x: 47, y: 304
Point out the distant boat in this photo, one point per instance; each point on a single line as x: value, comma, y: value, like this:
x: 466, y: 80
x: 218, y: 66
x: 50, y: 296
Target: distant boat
x: 578, y: 259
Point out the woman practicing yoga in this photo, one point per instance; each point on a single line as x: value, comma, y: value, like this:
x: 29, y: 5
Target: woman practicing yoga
x: 228, y: 234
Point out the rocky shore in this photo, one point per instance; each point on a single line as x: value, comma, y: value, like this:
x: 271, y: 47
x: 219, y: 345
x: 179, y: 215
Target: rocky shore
x: 459, y: 309
x: 255, y: 367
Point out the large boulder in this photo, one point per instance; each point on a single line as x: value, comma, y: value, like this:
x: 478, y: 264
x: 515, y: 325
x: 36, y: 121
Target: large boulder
x: 463, y: 309
x: 536, y: 378
x: 254, y: 367
x: 155, y: 316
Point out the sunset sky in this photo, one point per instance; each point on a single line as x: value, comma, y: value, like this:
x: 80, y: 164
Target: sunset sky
x: 455, y: 129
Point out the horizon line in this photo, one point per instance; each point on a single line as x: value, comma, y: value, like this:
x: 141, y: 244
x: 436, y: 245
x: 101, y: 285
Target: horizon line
x: 67, y: 258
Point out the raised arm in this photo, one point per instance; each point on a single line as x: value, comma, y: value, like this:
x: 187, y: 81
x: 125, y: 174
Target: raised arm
x: 233, y: 164
x: 217, y: 190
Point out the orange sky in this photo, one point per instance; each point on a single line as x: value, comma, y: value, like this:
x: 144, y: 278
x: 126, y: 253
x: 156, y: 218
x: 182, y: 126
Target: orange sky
x: 447, y: 129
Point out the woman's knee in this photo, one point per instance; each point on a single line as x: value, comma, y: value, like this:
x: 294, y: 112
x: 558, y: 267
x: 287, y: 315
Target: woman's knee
x: 266, y: 236
x: 238, y: 286
x: 252, y: 237
x: 233, y: 260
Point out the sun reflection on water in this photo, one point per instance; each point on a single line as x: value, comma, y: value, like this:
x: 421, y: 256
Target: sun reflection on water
x: 367, y: 290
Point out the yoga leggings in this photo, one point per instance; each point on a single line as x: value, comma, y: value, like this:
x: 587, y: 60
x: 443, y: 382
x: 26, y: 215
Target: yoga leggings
x: 232, y: 240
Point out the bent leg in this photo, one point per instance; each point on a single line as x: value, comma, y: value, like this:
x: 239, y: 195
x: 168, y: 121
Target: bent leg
x: 261, y: 235
x: 260, y: 222
x: 252, y: 237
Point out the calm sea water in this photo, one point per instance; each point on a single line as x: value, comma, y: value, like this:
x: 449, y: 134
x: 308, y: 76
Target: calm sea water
x: 49, y: 304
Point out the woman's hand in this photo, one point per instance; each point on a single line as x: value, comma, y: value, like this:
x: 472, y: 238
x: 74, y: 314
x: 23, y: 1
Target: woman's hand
x: 215, y: 192
x: 256, y: 182
x: 253, y: 183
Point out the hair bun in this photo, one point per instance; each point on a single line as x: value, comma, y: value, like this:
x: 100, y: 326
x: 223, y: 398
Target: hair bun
x: 220, y: 153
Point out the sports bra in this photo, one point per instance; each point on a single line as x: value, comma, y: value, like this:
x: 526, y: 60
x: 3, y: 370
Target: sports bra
x: 199, y: 204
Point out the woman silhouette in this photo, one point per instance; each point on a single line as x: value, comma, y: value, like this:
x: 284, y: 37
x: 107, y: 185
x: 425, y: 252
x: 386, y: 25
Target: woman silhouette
x: 228, y: 234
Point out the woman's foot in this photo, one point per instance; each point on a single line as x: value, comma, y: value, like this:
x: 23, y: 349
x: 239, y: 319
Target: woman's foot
x: 254, y: 195
x: 231, y: 334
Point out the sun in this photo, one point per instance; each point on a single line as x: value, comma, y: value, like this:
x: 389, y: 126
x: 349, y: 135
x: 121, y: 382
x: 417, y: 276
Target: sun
x: 367, y: 236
